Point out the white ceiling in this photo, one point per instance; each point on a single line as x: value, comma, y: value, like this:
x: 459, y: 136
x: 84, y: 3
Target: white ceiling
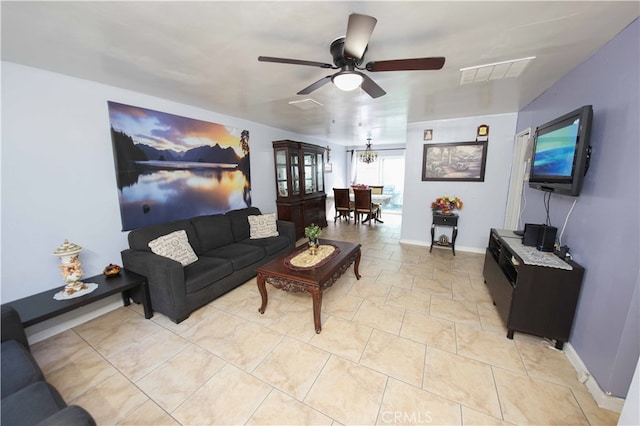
x: 205, y: 54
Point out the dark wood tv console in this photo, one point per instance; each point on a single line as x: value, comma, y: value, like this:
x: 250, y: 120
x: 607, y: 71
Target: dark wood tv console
x: 534, y: 292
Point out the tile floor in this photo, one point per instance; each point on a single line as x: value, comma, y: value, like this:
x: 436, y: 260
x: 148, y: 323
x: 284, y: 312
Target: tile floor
x: 415, y: 341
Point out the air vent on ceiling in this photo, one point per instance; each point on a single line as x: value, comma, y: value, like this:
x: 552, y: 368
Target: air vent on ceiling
x: 306, y: 104
x: 495, y: 71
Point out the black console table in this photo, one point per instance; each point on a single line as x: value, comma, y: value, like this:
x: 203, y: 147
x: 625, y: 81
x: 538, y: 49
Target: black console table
x: 42, y: 306
x: 535, y: 292
x: 441, y: 219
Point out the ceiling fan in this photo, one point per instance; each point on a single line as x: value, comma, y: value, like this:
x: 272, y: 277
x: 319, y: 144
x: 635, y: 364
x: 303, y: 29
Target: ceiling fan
x: 348, y: 54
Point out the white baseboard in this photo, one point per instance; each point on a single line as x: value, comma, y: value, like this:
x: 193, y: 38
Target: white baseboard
x: 64, y: 322
x: 601, y: 398
x: 458, y: 248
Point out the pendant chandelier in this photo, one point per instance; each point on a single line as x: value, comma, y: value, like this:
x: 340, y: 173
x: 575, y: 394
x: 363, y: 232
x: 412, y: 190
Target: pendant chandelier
x: 368, y: 156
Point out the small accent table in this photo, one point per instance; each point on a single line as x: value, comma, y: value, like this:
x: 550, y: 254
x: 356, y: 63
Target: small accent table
x: 441, y: 219
x: 42, y: 306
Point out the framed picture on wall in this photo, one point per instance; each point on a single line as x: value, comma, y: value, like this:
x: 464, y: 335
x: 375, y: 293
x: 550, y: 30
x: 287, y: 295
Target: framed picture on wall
x: 456, y: 161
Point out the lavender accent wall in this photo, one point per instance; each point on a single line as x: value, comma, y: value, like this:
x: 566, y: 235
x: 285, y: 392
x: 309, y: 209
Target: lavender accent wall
x: 603, y: 230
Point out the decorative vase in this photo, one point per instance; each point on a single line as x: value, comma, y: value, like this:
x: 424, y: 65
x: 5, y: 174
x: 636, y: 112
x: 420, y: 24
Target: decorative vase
x: 313, y: 245
x: 70, y: 264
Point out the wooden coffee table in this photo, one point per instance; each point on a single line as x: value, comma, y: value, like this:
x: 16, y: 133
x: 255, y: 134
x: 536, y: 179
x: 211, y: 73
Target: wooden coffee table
x: 314, y: 280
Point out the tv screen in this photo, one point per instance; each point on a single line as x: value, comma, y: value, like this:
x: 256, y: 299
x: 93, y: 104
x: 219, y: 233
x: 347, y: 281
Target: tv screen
x: 561, y: 153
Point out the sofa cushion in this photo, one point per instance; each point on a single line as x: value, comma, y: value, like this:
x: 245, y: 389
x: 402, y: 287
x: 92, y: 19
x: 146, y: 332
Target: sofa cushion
x: 19, y: 368
x: 31, y: 405
x: 205, y: 271
x: 270, y: 245
x: 139, y: 238
x: 175, y: 246
x: 262, y: 226
x: 213, y: 231
x: 240, y: 223
x: 240, y: 255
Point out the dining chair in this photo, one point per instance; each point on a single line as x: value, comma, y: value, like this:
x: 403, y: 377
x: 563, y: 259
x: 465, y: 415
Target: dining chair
x: 343, y: 205
x: 376, y: 189
x: 363, y: 205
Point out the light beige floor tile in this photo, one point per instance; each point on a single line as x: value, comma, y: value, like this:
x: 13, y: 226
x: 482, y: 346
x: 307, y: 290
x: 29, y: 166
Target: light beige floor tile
x: 84, y: 371
x: 343, y: 338
x: 59, y: 350
x: 595, y: 414
x: 461, y: 379
x: 431, y: 286
x: 340, y: 304
x: 173, y: 382
x: 230, y: 397
x: 454, y: 310
x: 467, y: 293
x: 366, y: 288
x: 149, y: 414
x: 281, y: 409
x: 488, y: 347
x: 239, y: 341
x: 383, y: 317
x: 405, y: 404
x: 395, y: 356
x: 396, y: 279
x: 120, y: 336
x: 528, y: 401
x: 490, y: 319
x: 111, y: 401
x: 143, y: 356
x: 471, y: 417
x: 347, y: 392
x: 195, y: 317
x: 296, y: 321
x: 545, y: 363
x: 435, y: 332
x: 104, y: 323
x: 292, y: 367
x: 407, y: 299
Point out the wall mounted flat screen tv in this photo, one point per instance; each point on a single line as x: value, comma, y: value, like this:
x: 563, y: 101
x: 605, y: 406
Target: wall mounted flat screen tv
x: 561, y: 153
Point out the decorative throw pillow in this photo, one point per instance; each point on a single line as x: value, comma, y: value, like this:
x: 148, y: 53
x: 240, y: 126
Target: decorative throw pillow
x: 263, y: 226
x: 175, y: 246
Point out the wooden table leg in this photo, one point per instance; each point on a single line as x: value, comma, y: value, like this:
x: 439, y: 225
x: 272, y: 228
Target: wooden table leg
x: 317, y: 306
x: 356, y: 265
x: 263, y: 292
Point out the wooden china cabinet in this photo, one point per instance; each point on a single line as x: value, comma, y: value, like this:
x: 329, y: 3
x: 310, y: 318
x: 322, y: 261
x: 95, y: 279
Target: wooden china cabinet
x: 300, y: 184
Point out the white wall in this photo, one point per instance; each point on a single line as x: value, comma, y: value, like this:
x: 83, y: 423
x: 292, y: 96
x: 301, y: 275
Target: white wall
x: 58, y: 178
x: 484, y: 202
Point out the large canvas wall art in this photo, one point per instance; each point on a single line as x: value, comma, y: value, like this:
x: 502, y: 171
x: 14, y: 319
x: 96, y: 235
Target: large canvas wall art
x: 170, y: 167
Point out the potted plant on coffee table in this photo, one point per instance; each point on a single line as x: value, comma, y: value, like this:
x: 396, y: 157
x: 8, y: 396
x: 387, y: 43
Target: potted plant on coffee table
x: 313, y: 232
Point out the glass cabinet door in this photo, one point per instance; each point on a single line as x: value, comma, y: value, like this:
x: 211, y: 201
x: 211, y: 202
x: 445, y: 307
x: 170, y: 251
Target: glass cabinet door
x: 295, y: 173
x: 281, y: 173
x: 320, y: 172
x: 310, y: 170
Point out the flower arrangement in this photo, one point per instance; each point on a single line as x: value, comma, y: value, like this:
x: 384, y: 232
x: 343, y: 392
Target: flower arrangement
x: 446, y: 204
x: 360, y: 186
x: 312, y: 231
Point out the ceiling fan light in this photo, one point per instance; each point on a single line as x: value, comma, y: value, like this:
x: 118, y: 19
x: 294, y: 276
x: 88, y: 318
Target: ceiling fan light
x: 347, y: 80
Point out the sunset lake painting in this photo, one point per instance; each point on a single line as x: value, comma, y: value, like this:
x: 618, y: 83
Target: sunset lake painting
x: 170, y: 167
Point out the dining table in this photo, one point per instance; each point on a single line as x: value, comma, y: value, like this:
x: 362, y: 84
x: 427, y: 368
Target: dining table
x: 380, y: 199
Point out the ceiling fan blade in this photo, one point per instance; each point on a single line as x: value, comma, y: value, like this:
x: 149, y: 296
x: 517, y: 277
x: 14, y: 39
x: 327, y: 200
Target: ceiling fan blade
x: 294, y: 62
x: 371, y: 87
x: 318, y: 84
x: 359, y: 31
x: 418, y: 64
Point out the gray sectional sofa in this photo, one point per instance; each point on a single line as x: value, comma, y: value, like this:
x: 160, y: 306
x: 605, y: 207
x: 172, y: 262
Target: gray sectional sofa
x: 27, y: 399
x: 226, y: 258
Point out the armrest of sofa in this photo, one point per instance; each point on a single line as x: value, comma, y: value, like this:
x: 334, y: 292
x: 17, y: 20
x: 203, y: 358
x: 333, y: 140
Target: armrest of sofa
x: 11, y: 325
x: 287, y: 229
x: 72, y: 415
x: 165, y: 278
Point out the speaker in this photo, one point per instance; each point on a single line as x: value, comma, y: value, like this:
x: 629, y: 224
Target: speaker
x: 540, y: 236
